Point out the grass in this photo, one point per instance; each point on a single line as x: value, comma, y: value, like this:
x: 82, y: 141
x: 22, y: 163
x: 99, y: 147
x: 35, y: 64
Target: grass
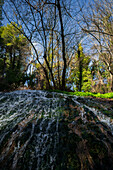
x: 87, y: 94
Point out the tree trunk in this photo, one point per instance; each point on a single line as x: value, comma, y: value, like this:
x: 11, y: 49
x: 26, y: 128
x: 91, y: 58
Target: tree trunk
x: 13, y: 62
x: 50, y: 71
x: 19, y: 60
x: 112, y: 82
x: 80, y: 71
x: 4, y: 67
x: 47, y: 78
x: 59, y: 85
x: 10, y: 52
x: 63, y: 46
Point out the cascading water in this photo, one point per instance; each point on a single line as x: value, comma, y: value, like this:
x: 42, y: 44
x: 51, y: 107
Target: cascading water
x: 46, y: 131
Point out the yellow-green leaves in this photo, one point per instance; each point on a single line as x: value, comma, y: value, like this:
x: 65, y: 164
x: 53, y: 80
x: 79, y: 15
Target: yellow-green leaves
x: 12, y: 36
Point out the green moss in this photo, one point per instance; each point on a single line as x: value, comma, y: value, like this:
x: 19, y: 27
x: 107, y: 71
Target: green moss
x: 106, y: 95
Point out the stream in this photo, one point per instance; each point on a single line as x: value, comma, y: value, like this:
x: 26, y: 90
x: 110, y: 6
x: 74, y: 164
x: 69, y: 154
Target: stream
x: 42, y: 130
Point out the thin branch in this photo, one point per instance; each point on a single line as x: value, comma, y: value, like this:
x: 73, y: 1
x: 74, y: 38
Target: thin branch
x: 89, y: 31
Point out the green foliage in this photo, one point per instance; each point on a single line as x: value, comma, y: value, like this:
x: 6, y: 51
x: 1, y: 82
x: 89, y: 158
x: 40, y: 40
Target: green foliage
x: 12, y: 36
x: 13, y: 77
x: 13, y: 56
x: 87, y: 80
x: 80, y: 72
x: 86, y: 94
x: 30, y: 79
x: 1, y: 64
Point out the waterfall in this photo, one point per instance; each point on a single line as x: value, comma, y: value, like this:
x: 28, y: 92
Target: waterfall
x: 39, y: 128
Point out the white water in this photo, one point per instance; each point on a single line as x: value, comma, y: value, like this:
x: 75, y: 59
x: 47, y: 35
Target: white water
x: 22, y: 107
x: 102, y: 118
x: 19, y: 104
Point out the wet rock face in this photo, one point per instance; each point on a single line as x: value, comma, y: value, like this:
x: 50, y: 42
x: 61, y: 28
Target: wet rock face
x: 42, y: 130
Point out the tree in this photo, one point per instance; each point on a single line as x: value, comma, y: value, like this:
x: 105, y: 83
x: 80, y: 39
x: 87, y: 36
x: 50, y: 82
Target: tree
x: 1, y: 40
x: 1, y: 4
x: 16, y: 49
x: 80, y: 74
x: 99, y: 25
x: 41, y: 19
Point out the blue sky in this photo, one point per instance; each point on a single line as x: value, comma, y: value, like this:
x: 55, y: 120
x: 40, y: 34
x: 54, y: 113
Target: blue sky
x: 80, y: 3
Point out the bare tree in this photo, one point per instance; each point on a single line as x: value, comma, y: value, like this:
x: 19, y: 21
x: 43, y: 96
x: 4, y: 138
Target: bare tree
x: 40, y: 19
x: 98, y: 24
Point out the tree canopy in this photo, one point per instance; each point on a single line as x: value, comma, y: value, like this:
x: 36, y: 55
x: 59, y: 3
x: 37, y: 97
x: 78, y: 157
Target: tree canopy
x: 69, y: 42
x: 15, y: 49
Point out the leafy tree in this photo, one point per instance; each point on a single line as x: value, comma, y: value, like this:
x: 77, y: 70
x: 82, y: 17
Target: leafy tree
x: 87, y: 80
x: 80, y: 71
x: 100, y: 77
x: 15, y: 51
